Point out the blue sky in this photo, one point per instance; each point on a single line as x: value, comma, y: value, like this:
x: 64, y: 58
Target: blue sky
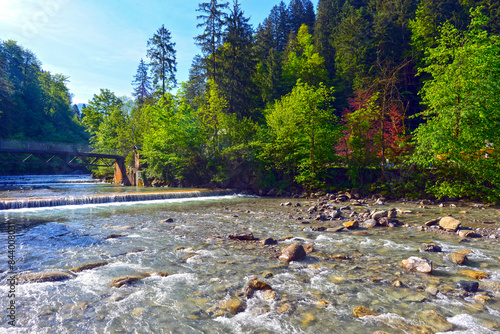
x: 99, y: 43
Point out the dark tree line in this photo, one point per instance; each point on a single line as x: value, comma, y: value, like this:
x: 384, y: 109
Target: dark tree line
x: 34, y: 104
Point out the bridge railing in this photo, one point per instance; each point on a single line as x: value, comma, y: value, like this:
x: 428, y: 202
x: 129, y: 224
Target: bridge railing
x: 29, y: 145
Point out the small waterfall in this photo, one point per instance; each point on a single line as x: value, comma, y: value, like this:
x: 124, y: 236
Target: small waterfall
x: 6, y: 204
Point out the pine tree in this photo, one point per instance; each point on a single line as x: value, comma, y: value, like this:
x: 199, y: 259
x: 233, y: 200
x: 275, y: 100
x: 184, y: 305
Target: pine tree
x: 213, y: 20
x: 141, y: 83
x: 162, y: 57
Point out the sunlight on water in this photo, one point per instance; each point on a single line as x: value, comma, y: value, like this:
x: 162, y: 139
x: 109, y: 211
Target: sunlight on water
x: 208, y: 273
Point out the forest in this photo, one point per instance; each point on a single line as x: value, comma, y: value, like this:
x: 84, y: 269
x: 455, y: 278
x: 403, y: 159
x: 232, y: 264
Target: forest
x: 399, y: 98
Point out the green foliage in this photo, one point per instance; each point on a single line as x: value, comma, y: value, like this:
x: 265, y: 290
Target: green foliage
x: 173, y: 144
x: 303, y: 63
x: 460, y: 135
x: 302, y: 134
x: 34, y: 104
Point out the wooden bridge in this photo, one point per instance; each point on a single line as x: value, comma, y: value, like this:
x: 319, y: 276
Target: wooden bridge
x: 68, y: 154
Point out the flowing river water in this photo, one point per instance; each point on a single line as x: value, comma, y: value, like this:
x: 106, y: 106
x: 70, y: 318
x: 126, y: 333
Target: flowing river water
x: 208, y: 273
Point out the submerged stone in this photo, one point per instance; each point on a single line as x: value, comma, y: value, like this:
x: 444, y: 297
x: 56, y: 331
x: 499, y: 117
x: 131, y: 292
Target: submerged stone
x: 475, y: 274
x: 233, y: 306
x: 53, y: 276
x: 243, y: 236
x: 125, y: 280
x: 418, y: 264
x: 361, y: 311
x: 89, y: 266
x: 468, y: 286
x: 436, y: 321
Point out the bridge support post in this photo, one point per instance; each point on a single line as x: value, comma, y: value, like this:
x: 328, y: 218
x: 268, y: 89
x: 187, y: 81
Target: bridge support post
x: 121, y: 173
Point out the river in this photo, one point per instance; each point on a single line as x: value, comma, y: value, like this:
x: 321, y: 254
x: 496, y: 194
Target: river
x: 208, y: 273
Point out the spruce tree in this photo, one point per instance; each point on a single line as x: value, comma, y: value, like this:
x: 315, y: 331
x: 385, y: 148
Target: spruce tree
x: 213, y: 19
x: 162, y: 57
x: 238, y: 63
x: 141, y: 83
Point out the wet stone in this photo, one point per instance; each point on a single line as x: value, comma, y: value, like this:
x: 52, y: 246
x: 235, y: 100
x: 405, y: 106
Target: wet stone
x: 294, y: 252
x: 54, y: 276
x: 459, y: 258
x: 436, y: 321
x: 362, y: 311
x: 418, y: 264
x: 449, y: 224
x: 88, y: 266
x: 433, y: 248
x: 468, y: 286
x: 475, y: 274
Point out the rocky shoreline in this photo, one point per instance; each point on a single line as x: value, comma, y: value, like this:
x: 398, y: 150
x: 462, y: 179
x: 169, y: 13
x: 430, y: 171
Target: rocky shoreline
x: 411, y: 280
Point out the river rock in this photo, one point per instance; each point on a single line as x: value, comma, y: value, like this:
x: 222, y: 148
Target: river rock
x: 256, y: 285
x: 475, y: 274
x: 243, y: 236
x: 120, y: 281
x: 361, y: 311
x: 168, y: 220
x: 269, y: 295
x: 468, y: 286
x: 335, y: 229
x: 467, y: 234
x: 53, y: 276
x: 449, y: 224
x: 233, y: 305
x: 294, y: 252
x: 490, y: 285
x: 351, y: 225
x: 370, y: 223
x: 459, y: 258
x: 379, y: 214
x: 436, y: 321
x: 432, y: 222
x: 268, y: 241
x: 88, y: 266
x: 433, y: 248
x: 418, y: 264
x: 114, y: 236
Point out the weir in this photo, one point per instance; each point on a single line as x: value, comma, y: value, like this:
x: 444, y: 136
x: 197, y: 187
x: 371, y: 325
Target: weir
x: 8, y: 204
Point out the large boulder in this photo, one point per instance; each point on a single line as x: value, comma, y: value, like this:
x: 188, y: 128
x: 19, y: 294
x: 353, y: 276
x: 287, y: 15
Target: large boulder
x: 418, y: 264
x: 294, y: 252
x: 449, y: 224
x: 53, y: 276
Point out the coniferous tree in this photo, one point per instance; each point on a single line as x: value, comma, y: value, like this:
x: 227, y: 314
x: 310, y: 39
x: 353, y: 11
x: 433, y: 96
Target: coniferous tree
x: 213, y: 20
x: 162, y: 57
x: 141, y: 83
x: 238, y: 63
x: 328, y: 18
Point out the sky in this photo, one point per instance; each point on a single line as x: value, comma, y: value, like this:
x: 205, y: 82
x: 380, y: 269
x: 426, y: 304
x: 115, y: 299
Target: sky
x: 99, y: 43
